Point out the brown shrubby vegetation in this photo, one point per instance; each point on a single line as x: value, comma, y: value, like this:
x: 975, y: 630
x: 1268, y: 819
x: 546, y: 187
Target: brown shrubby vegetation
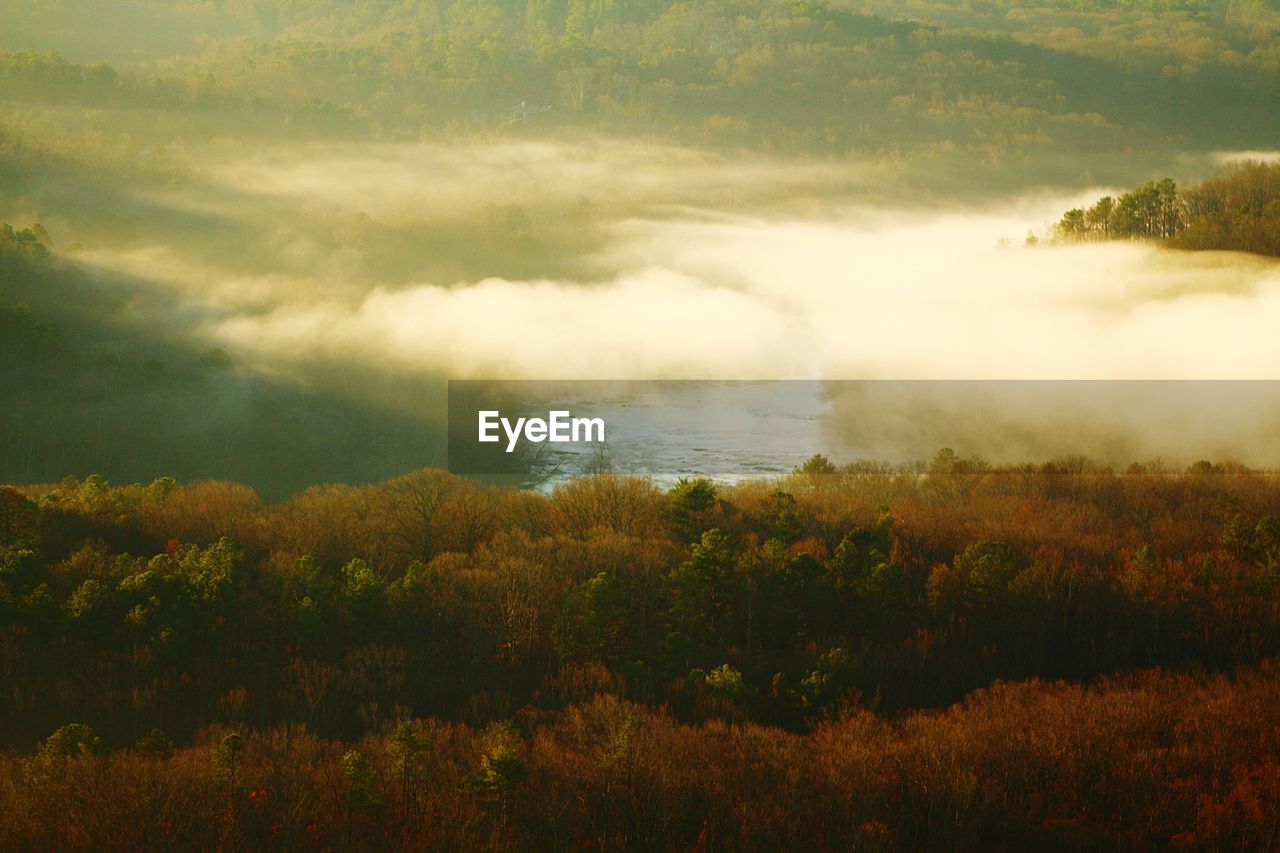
x: 862, y: 656
x: 1152, y: 760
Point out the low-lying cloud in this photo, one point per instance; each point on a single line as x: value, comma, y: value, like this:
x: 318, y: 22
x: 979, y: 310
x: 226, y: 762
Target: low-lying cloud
x: 930, y: 297
x: 696, y: 275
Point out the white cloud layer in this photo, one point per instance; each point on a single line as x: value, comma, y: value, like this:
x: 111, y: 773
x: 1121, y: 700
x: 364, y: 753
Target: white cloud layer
x: 852, y: 296
x: 810, y: 285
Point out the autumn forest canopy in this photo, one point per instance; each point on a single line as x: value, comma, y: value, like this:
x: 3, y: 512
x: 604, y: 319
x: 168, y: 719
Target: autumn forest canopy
x: 430, y: 662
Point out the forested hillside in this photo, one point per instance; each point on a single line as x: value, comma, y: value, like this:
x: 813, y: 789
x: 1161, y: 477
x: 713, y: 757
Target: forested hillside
x: 1237, y: 209
x: 1152, y: 760
x: 436, y: 662
x: 83, y: 384
x: 1060, y: 82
